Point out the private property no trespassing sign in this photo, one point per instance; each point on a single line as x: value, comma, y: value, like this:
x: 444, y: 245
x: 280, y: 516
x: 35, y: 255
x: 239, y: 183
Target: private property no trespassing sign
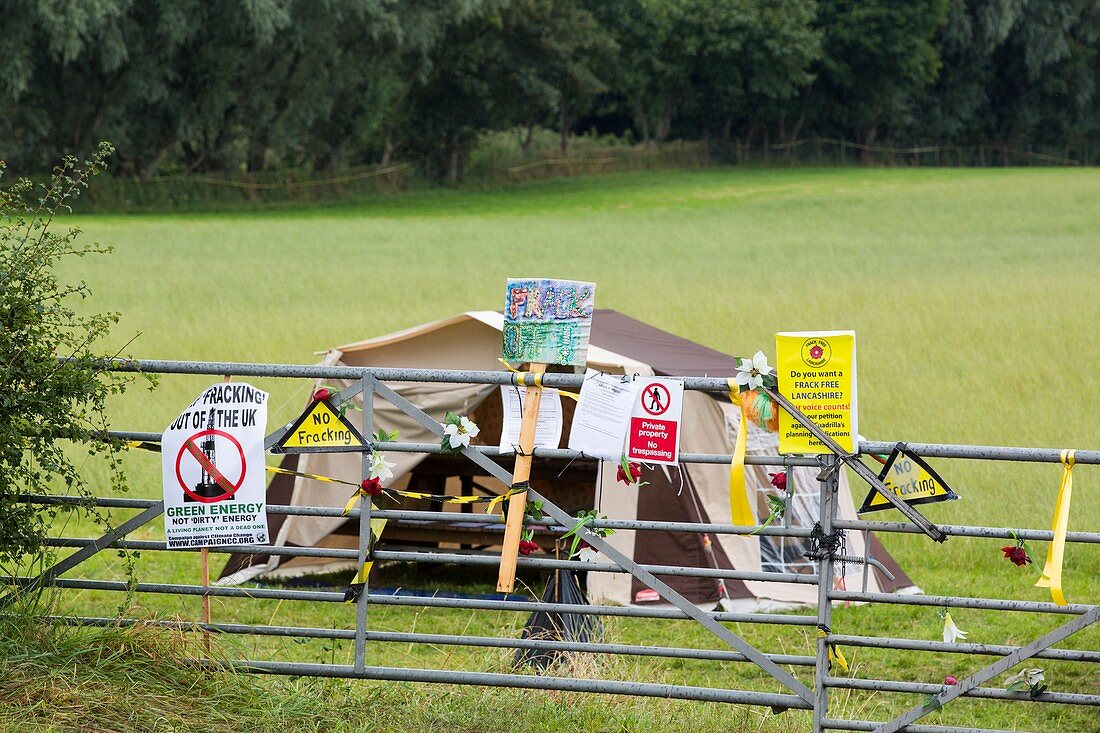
x: 654, y: 435
x: 213, y: 471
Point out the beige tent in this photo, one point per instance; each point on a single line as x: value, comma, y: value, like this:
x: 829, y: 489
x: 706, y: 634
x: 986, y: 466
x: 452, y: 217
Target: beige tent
x: 696, y: 492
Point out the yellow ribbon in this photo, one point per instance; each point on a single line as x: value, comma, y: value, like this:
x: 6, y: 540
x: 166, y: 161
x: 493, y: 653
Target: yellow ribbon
x: 1052, y: 571
x: 538, y: 380
x: 376, y: 527
x: 740, y: 511
x: 835, y: 655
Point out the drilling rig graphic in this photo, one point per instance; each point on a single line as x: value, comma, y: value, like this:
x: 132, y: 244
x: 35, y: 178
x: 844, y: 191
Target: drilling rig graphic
x: 207, y: 487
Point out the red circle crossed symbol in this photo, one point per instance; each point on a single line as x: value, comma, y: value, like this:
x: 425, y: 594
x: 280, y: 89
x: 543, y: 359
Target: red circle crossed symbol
x: 655, y: 399
x: 191, y: 448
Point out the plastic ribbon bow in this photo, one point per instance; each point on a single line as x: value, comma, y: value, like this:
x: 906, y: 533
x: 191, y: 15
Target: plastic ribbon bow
x: 1052, y: 571
x: 740, y: 511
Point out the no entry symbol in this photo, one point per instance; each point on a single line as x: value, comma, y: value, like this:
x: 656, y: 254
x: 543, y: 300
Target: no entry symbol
x: 208, y: 469
x: 656, y: 399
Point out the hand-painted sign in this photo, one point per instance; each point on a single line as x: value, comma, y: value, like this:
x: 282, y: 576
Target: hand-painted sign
x: 320, y: 429
x: 212, y: 465
x: 817, y: 373
x: 654, y: 435
x: 911, y: 478
x: 548, y: 321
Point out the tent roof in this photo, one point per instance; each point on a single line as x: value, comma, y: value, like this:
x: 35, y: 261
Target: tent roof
x: 667, y: 353
x: 613, y: 332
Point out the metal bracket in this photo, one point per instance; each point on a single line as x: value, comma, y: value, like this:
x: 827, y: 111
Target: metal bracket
x: 861, y: 470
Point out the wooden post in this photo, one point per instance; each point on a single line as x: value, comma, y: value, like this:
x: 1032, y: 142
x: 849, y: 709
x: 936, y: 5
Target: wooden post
x: 509, y: 554
x: 204, y: 561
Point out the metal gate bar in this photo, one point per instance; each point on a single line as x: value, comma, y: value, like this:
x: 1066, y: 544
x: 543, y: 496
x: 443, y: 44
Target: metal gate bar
x: 832, y: 724
x: 524, y: 681
x: 991, y: 693
x: 444, y: 639
x: 995, y: 650
x: 365, y: 379
x: 424, y: 601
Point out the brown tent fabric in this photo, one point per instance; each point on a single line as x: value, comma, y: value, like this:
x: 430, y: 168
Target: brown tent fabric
x: 619, y: 345
x: 667, y: 354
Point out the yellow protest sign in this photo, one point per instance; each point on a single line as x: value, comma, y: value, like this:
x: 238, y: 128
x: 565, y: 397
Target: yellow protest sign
x: 911, y: 479
x: 319, y: 428
x: 817, y: 373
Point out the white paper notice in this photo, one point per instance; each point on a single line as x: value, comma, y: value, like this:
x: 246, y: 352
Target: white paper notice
x: 602, y: 416
x: 212, y: 459
x: 549, y: 425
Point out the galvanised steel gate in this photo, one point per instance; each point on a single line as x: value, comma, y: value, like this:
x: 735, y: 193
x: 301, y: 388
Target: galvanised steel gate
x: 807, y: 690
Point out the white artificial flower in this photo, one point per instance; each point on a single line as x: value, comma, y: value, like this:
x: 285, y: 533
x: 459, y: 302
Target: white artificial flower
x: 1030, y: 676
x: 751, y: 373
x: 951, y: 632
x: 458, y: 434
x: 469, y: 427
x: 456, y: 439
x: 588, y: 554
x: 380, y: 467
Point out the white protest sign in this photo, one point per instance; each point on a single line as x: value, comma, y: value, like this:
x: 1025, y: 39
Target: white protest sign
x: 654, y: 434
x: 602, y: 416
x: 212, y: 464
x: 547, y: 428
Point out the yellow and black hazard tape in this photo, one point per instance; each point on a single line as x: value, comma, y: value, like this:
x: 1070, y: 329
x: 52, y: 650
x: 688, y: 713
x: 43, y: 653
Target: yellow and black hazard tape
x: 492, y: 501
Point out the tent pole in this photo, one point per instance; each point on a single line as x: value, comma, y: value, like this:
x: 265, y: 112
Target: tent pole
x: 517, y: 504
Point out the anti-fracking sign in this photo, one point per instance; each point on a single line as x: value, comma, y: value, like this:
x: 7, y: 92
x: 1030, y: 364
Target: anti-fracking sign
x: 212, y: 466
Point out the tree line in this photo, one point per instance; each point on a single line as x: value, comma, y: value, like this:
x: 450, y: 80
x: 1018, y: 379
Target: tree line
x: 322, y: 85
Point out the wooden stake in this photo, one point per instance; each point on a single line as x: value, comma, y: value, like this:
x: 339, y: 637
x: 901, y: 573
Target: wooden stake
x: 204, y: 561
x: 509, y: 554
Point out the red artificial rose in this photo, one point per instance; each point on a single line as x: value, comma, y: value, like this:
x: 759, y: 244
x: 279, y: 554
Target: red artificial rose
x: 371, y: 486
x: 526, y: 547
x: 950, y: 680
x: 779, y: 480
x: 632, y: 478
x: 1016, y: 554
x: 322, y: 394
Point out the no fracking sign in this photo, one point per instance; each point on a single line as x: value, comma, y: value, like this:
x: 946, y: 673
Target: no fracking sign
x: 213, y: 469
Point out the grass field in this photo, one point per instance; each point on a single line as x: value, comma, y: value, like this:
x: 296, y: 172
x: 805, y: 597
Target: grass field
x: 974, y: 294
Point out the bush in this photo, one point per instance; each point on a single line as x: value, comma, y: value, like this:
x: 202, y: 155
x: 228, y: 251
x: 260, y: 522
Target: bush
x: 45, y: 400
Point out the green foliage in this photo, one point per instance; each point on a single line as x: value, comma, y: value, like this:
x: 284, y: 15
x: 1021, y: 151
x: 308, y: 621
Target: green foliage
x: 246, y: 88
x: 44, y: 402
x: 878, y: 57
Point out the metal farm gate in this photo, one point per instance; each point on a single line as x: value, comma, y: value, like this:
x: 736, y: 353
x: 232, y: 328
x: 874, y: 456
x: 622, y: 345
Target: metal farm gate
x: 807, y: 688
